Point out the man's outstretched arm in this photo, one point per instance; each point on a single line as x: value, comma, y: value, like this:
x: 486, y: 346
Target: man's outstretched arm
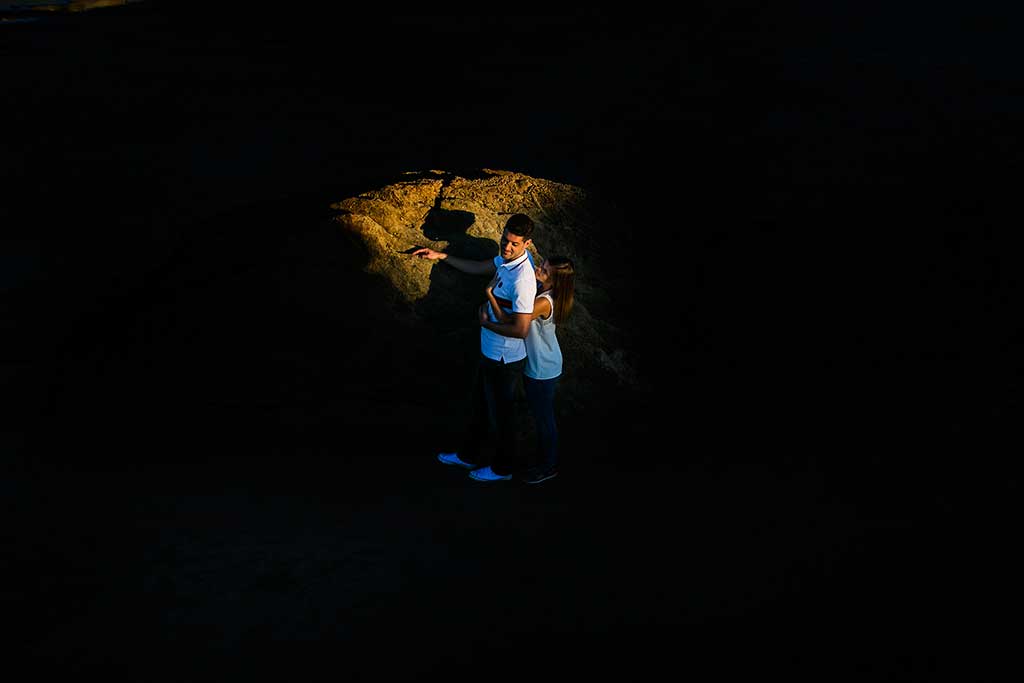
x: 471, y: 266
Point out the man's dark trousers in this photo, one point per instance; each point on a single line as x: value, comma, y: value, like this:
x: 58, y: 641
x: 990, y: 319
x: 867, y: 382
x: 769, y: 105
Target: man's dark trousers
x: 494, y: 405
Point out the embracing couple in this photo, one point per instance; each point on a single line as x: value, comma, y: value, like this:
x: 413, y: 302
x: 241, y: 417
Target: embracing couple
x: 525, y: 303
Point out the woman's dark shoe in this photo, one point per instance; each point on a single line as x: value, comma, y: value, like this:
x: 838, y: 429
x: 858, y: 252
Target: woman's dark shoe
x: 536, y: 476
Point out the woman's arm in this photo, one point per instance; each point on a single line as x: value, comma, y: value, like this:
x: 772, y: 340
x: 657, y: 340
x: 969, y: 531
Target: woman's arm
x: 499, y: 313
x: 518, y: 325
x: 506, y: 324
x: 541, y: 306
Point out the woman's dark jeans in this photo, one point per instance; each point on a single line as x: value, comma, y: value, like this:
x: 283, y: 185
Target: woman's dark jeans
x: 540, y: 396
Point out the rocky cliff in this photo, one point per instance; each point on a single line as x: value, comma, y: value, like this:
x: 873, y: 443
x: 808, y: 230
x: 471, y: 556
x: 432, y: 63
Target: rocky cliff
x: 463, y: 214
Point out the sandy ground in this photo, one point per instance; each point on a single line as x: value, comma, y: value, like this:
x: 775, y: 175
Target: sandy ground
x: 200, y: 483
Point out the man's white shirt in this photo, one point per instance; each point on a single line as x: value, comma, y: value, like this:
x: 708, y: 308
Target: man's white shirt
x: 517, y: 282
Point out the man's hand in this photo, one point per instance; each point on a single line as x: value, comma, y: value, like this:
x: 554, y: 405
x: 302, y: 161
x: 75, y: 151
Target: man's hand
x: 429, y: 254
x: 482, y: 313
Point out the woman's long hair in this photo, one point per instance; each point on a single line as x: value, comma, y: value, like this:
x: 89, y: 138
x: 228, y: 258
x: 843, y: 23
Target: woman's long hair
x: 563, y: 286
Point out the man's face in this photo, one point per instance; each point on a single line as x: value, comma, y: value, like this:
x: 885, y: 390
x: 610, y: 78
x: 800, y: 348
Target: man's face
x: 512, y: 245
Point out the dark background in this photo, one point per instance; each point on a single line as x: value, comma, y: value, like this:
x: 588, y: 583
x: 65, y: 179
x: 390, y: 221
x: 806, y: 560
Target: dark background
x: 822, y: 306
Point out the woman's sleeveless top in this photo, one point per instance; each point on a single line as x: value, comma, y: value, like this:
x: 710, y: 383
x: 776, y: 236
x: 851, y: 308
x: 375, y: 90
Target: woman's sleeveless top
x: 543, y: 355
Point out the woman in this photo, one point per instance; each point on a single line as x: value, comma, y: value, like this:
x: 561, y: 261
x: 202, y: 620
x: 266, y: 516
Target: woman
x: 556, y: 285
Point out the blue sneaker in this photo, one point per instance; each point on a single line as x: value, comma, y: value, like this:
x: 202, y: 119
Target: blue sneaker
x: 453, y: 459
x: 487, y: 474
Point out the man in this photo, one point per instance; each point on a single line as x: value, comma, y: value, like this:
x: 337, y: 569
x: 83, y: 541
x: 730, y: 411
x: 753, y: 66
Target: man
x: 502, y: 352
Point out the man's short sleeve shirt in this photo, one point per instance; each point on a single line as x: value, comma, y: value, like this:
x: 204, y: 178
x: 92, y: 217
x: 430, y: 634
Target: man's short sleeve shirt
x: 517, y: 283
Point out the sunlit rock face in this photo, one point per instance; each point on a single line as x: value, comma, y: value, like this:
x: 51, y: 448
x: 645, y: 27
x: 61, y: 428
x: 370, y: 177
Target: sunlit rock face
x: 464, y: 214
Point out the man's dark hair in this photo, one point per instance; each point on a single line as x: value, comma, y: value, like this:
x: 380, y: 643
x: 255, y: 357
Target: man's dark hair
x: 520, y: 224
